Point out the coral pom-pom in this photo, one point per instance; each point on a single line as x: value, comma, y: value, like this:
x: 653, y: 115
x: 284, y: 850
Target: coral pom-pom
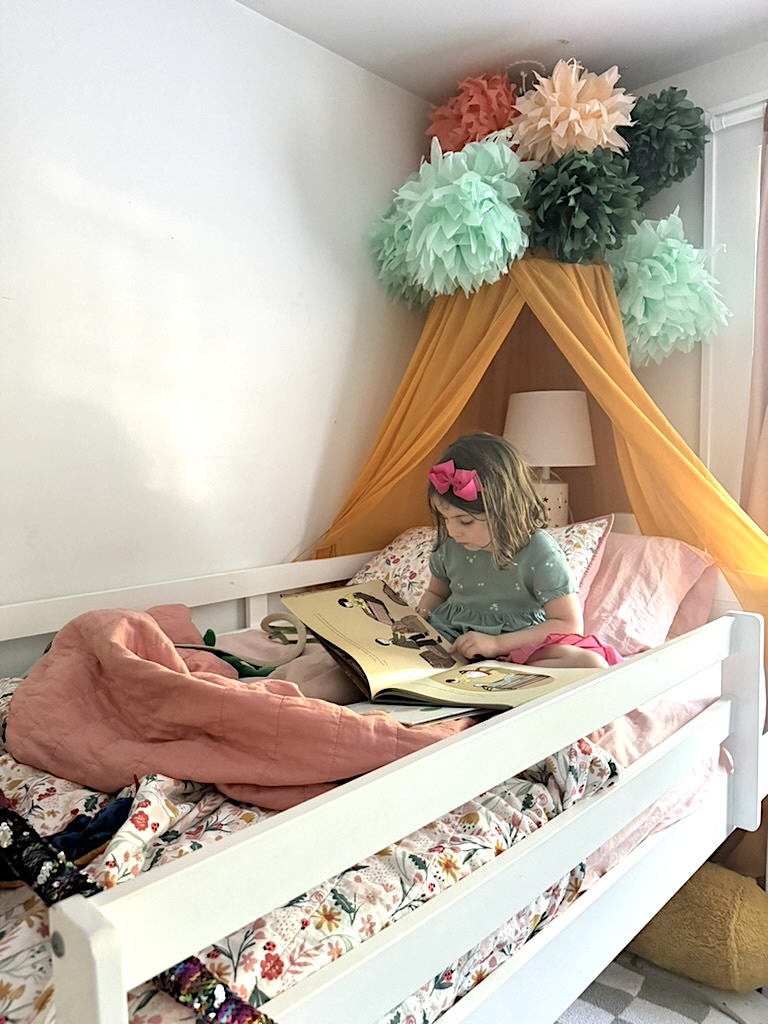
x: 482, y: 105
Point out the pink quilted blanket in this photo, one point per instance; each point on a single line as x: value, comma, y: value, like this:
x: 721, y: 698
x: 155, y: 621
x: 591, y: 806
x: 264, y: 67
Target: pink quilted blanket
x: 113, y: 700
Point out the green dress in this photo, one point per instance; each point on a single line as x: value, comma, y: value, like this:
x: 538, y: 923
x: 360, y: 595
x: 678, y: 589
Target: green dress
x: 492, y: 600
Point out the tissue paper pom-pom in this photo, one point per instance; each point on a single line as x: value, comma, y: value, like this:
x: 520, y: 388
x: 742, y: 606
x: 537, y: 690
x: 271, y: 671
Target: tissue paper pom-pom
x: 667, y: 139
x: 571, y: 110
x: 482, y: 105
x: 389, y: 242
x: 668, y: 299
x: 582, y: 205
x: 464, y: 216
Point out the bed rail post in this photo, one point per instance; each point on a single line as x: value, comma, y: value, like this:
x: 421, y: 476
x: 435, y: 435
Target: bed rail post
x: 743, y: 680
x: 87, y: 965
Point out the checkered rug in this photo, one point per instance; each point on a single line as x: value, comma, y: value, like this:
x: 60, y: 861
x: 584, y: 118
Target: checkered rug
x: 626, y: 994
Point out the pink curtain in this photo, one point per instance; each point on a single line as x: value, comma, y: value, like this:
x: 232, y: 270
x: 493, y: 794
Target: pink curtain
x: 754, y: 479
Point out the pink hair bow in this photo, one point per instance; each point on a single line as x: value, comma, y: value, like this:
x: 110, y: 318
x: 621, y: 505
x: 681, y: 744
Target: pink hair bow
x: 463, y: 482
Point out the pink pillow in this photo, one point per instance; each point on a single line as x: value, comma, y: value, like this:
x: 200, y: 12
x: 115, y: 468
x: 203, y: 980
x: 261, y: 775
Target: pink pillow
x: 648, y: 588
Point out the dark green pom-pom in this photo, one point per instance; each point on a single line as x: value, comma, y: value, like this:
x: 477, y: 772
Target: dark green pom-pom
x: 583, y: 204
x: 667, y: 139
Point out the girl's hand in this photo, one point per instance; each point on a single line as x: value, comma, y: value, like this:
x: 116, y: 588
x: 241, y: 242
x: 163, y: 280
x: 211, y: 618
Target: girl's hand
x: 479, y: 645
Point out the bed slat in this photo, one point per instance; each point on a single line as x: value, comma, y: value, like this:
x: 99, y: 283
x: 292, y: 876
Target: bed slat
x: 35, y: 618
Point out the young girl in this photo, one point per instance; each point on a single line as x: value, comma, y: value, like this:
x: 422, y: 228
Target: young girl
x: 500, y: 586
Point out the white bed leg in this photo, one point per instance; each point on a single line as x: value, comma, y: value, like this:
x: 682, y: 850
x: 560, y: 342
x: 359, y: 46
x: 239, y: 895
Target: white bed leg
x: 743, y: 680
x: 87, y: 965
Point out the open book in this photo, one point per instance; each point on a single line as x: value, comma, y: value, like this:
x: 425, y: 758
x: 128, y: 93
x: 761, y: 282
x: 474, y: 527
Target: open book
x: 395, y: 656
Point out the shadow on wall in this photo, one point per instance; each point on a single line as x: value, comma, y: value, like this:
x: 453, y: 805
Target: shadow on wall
x: 371, y: 339
x: 86, y: 507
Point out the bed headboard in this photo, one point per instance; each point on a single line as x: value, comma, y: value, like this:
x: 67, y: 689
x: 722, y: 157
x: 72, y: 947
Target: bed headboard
x: 222, y: 602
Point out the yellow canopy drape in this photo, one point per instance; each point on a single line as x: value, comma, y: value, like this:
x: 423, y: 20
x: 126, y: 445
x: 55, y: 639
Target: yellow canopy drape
x: 458, y: 380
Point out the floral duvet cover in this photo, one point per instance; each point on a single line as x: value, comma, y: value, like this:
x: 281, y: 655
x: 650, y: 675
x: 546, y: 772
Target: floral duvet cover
x: 170, y: 818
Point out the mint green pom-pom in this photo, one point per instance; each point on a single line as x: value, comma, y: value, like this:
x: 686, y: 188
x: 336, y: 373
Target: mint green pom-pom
x: 457, y: 223
x: 668, y: 299
x: 389, y: 244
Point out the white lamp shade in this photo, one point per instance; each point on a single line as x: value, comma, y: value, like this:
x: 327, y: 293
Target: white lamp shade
x: 550, y: 428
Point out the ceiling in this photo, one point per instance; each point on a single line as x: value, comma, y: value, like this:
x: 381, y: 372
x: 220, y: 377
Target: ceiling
x: 427, y: 46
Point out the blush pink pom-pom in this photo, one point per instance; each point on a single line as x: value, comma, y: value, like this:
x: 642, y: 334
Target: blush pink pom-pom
x: 482, y: 105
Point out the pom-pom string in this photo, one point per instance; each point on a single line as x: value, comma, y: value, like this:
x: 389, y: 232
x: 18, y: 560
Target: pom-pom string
x: 528, y: 67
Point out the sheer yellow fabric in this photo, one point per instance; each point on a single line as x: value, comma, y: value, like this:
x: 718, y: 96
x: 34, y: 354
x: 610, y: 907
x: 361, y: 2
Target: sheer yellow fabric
x: 459, y: 377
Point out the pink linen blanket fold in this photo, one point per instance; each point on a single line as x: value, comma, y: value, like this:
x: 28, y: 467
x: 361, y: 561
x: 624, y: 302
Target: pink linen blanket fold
x: 113, y: 699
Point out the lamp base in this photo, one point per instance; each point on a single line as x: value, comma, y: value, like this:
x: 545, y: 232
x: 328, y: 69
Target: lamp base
x: 554, y: 494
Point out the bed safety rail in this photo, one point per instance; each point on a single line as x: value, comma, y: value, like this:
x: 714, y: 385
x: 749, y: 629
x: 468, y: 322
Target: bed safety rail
x: 107, y: 944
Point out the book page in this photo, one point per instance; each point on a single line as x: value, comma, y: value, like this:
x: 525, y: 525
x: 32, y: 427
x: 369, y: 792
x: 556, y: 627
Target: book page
x: 390, y: 643
x: 416, y: 714
x: 490, y: 684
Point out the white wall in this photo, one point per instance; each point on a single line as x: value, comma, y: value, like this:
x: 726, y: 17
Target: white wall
x: 705, y: 393
x: 194, y: 352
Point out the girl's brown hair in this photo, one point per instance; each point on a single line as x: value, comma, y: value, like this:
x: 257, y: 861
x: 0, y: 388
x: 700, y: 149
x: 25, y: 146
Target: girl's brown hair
x: 507, y: 497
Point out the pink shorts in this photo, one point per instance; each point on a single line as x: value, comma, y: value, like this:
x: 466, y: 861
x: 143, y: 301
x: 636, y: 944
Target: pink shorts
x: 522, y: 655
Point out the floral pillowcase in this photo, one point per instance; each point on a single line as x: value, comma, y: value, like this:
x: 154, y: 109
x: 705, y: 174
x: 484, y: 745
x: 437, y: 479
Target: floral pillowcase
x: 404, y: 562
x: 583, y: 544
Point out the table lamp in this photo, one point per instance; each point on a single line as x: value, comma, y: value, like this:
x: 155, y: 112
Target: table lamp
x: 551, y: 428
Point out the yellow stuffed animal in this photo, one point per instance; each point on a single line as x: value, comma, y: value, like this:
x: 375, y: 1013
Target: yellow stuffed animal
x: 713, y: 930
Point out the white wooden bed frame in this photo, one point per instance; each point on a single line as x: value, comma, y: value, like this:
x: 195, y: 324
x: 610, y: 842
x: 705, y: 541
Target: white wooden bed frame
x: 111, y: 942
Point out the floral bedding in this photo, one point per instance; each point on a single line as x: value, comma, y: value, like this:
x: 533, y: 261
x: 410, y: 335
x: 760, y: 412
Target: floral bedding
x: 169, y: 818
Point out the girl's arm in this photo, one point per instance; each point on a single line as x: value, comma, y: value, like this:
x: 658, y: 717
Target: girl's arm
x: 437, y: 591
x: 564, y: 615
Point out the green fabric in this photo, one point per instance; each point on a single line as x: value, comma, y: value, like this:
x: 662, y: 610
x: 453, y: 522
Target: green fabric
x: 244, y: 669
x: 495, y: 600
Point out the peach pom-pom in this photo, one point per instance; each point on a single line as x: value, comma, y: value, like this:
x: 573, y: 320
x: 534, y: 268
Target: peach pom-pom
x: 482, y: 105
x: 571, y: 110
